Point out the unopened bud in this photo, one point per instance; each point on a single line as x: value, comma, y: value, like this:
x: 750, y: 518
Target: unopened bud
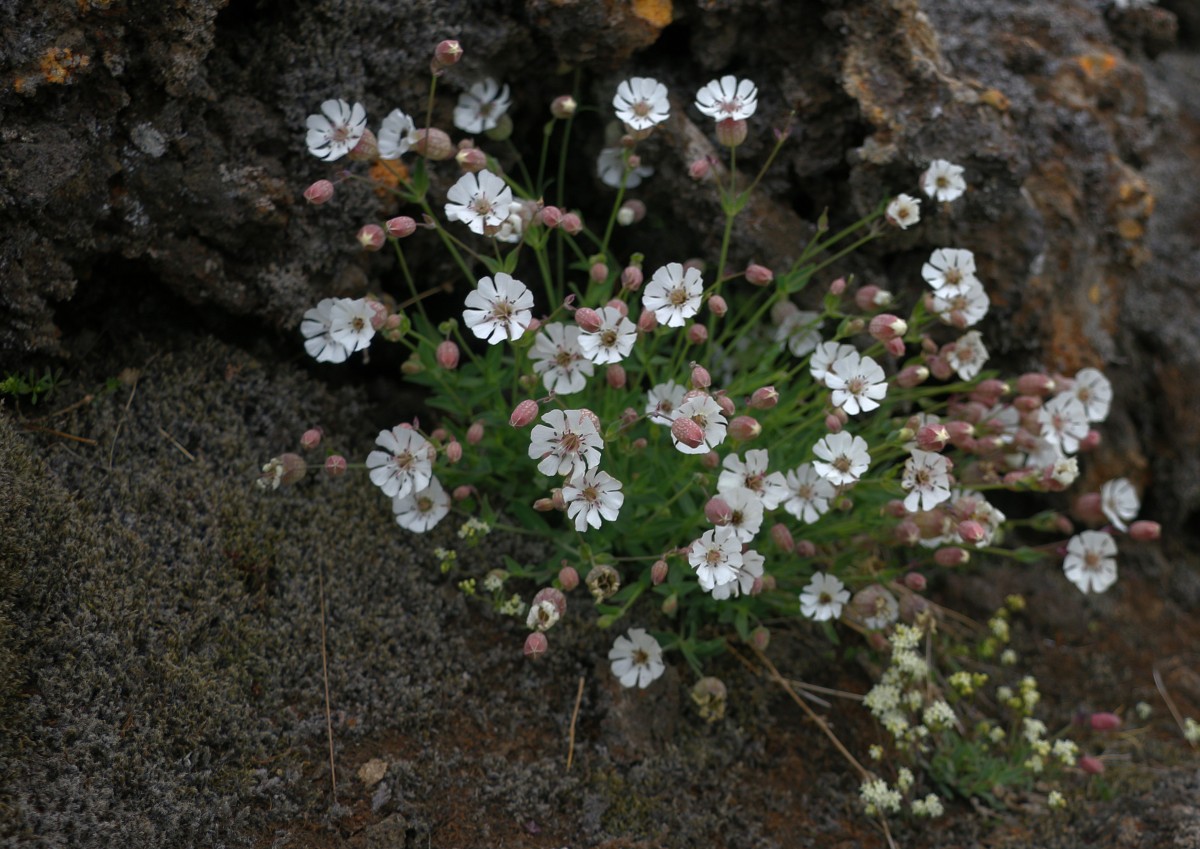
x: 782, y: 537
x: 911, y: 376
x: 764, y: 398
x: 366, y: 149
x: 433, y: 144
x: 870, y: 298
x: 700, y: 377
x: 571, y: 223
x: 1104, y: 721
x: 1090, y: 442
x: 658, y: 572
x: 718, y: 511
x: 310, y: 439
x: 710, y: 460
x: 544, y: 505
x: 620, y: 306
x: 833, y: 423
x: 551, y: 216
x: 717, y: 306
x: 932, y: 437
x: 447, y: 53
x: 447, y: 355
x: 462, y: 492
x: 536, y: 645
x: 471, y: 160
x: 475, y: 433
x: 335, y: 465
x: 1145, y: 530
x: 989, y: 392
x: 647, y: 321
x: 699, y: 169
x: 670, y: 605
x: 697, y: 334
x: 886, y: 326
x: 915, y: 581
x: 744, y: 428
x: 951, y: 556
x: 759, y: 275
x: 725, y: 403
x: 598, y: 273
x: 687, y: 432
x: 524, y: 413
x: 760, y: 638
x: 731, y: 132
x: 588, y: 319
x: 371, y: 237
x: 971, y: 531
x: 319, y: 192
x: 563, y: 106
x: 1036, y: 383
x: 1027, y: 403
x: 1091, y: 765
x: 838, y: 287
x: 1087, y: 508
x: 906, y: 533
x: 631, y: 278
x: 568, y: 578
x: 631, y: 212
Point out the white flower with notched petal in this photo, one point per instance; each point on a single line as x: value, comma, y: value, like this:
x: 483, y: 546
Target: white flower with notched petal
x: 904, y: 211
x: 801, y: 330
x: 612, y: 167
x: 943, y: 181
x: 613, y: 341
x: 843, y: 458
x: 641, y: 103
x: 499, y: 309
x: 397, y: 134
x: 481, y: 107
x: 568, y: 444
x: 809, y: 494
x: 823, y: 598
x: 716, y: 557
x: 752, y: 474
x: 1120, y: 502
x: 663, y: 402
x: 967, y: 355
x: 961, y: 306
x: 673, y: 295
x: 1095, y: 392
x: 559, y: 359
x: 858, y: 383
x: 926, y: 478
x: 824, y: 356
x: 480, y: 201
x: 335, y: 132
x: 1091, y: 562
x: 1064, y: 422
x: 750, y: 570
x: 636, y: 659
x: 350, y: 323
x: 592, y: 497
x: 707, y: 413
x: 317, y: 339
x: 406, y: 464
x: 949, y: 268
x: 728, y: 99
x: 745, y: 512
x: 420, y: 511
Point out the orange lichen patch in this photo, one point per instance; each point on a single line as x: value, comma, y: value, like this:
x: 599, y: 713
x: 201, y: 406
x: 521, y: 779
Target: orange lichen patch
x: 654, y: 12
x: 995, y: 98
x: 1130, y: 229
x: 58, y: 64
x: 1097, y: 64
x: 388, y: 175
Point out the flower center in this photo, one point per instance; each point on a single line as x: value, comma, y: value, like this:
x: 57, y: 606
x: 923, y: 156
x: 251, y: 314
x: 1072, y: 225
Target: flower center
x: 424, y: 504
x: 842, y: 463
x: 482, y: 204
x: 678, y: 296
x: 953, y: 276
x: 570, y: 443
x: 608, y: 338
x: 713, y: 557
x: 563, y: 359
x: 640, y: 658
x: 641, y: 108
x: 502, y: 311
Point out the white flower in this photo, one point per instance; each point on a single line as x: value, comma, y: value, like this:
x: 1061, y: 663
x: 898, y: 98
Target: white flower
x: 334, y: 133
x: 823, y: 598
x: 558, y: 358
x: 1091, y: 563
x: 728, y: 99
x: 716, y: 557
x: 904, y: 211
x: 1120, y: 502
x: 967, y: 355
x: 706, y: 412
x: 843, y: 458
x: 610, y: 165
x: 420, y: 511
x: 350, y: 323
x: 542, y: 616
x: 569, y: 446
x: 961, y: 306
x: 673, y: 294
x: 405, y: 466
x: 480, y: 201
x: 858, y: 383
x: 613, y: 341
x: 926, y: 479
x: 751, y: 568
x: 801, y: 330
x: 809, y: 493
x: 481, y: 107
x: 949, y: 268
x: 519, y: 215
x: 641, y: 103
x: 663, y: 404
x: 1064, y: 422
x: 397, y: 134
x: 943, y: 180
x: 825, y: 355
x: 499, y: 310
x: 752, y: 474
x: 636, y: 659
x: 593, y: 496
x: 746, y: 510
x: 1095, y: 393
x: 317, y: 340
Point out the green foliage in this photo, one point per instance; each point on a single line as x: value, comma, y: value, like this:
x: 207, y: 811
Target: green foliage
x: 30, y: 386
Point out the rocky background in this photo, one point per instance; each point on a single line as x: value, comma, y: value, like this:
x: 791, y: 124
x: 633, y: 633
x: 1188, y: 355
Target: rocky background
x: 160, y: 653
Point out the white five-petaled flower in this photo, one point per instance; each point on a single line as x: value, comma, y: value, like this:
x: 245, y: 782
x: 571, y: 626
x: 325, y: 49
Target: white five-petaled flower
x: 397, y: 134
x: 611, y: 166
x: 1120, y: 502
x: 949, y: 268
x: 843, y: 458
x: 558, y: 358
x: 858, y: 383
x: 746, y: 512
x: 801, y: 330
x: 663, y: 402
x: 420, y: 511
x: 481, y: 107
x: 809, y: 494
x: 967, y: 355
x: 673, y: 294
x: 613, y: 341
x: 335, y: 132
x: 481, y: 201
x: 568, y: 444
x: 825, y: 355
x: 750, y: 570
x: 350, y: 323
x: 752, y: 474
x: 641, y: 103
x: 728, y: 99
x: 1091, y: 562
x: 904, y: 211
x: 961, y: 306
x: 405, y: 466
x: 707, y: 413
x: 943, y: 180
x: 927, y: 480
x: 824, y: 597
x: 1064, y: 422
x: 592, y: 497
x: 1095, y: 392
x: 716, y: 557
x: 636, y: 659
x: 499, y: 309
x: 318, y: 341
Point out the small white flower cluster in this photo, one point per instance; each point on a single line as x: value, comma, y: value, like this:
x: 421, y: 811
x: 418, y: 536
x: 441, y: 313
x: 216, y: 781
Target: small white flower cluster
x: 879, y: 798
x: 404, y: 471
x: 901, y: 696
x: 337, y: 327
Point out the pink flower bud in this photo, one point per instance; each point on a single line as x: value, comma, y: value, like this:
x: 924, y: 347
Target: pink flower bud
x: 1036, y: 383
x: 1090, y: 442
x: 371, y: 237
x: 989, y: 392
x: 760, y: 637
x: 633, y: 210
x: 670, y: 605
x: 699, y: 169
x: 1145, y: 530
x: 401, y: 226
x: 310, y: 439
x: 319, y: 192
x: 687, y: 432
x: 475, y: 433
x: 744, y: 428
x: 556, y: 498
x: 782, y: 537
x: 551, y: 216
x: 571, y: 223
x: 598, y: 273
x: 906, y: 532
x: 886, y: 326
x: 568, y: 578
x: 1087, y: 509
x: 764, y: 398
x: 544, y: 505
x: 639, y: 444
x: 932, y: 437
x: 366, y: 149
x: 951, y: 556
x: 971, y: 531
x: 911, y: 376
x: 524, y: 413
x: 620, y: 306
x: 866, y: 298
x: 711, y: 460
x: 554, y: 596
x: 895, y: 347
x: 717, y: 306
x: 462, y: 492
x: 433, y: 144
x: 759, y: 275
x: 1091, y: 765
x: 896, y: 509
x: 335, y: 465
x: 1027, y: 403
x: 588, y: 319
x: 563, y: 106
x: 471, y: 160
x: 447, y: 355
x: 718, y: 511
x: 536, y: 645
x: 447, y: 53
x: 960, y: 432
x: 614, y: 376
x: 647, y: 321
x: 838, y: 287
x: 697, y: 334
x: 631, y: 278
x: 628, y: 415
x: 1104, y: 721
x: 731, y: 132
x: 806, y: 548
x: 915, y: 581
x: 833, y: 423
x: 700, y: 377
x: 658, y: 572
